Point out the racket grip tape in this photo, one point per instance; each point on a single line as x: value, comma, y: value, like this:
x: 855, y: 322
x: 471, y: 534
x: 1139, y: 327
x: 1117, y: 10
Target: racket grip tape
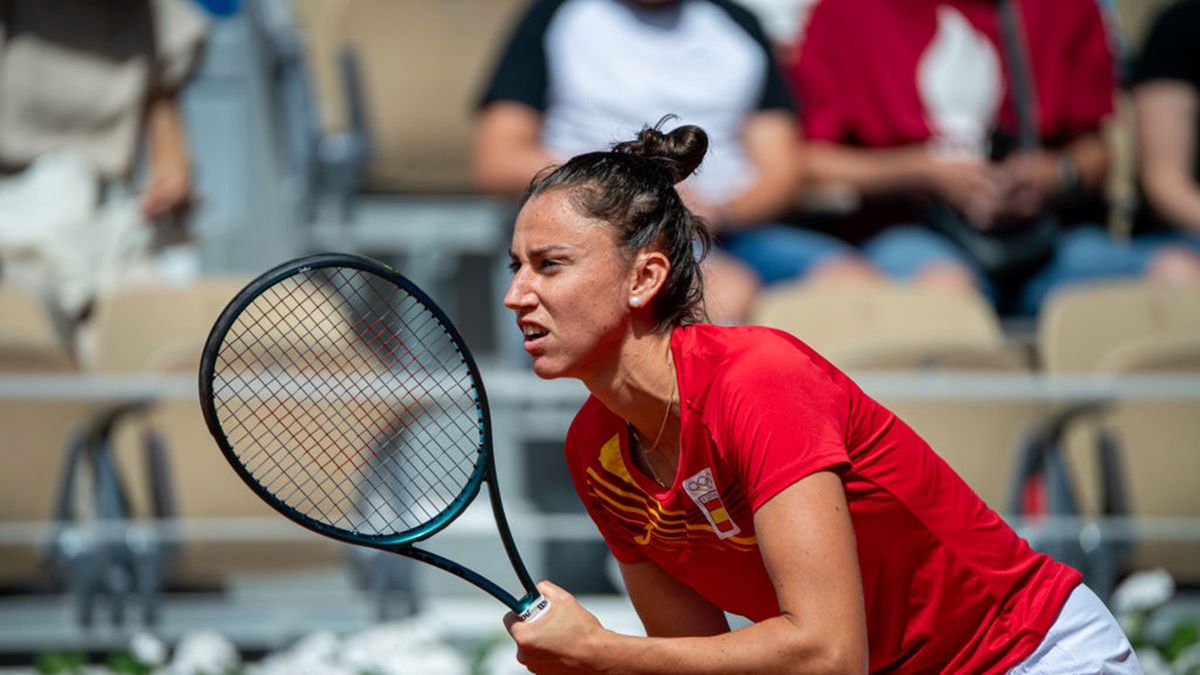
x: 535, y: 609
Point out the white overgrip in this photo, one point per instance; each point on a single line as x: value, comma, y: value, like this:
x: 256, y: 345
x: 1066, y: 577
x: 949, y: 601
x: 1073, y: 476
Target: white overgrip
x: 535, y: 609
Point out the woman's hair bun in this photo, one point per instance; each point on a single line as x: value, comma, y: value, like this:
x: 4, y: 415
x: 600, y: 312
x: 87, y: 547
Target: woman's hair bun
x: 679, y: 151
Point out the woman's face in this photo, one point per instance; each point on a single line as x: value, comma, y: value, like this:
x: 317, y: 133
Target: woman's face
x: 570, y: 288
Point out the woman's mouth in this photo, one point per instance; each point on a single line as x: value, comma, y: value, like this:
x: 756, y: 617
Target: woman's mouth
x: 534, y: 336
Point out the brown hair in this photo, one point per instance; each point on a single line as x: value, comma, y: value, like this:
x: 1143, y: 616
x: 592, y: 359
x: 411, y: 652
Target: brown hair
x: 632, y: 187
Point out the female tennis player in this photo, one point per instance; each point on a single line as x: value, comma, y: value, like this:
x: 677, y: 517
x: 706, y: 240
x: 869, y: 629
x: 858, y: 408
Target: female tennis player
x: 732, y: 469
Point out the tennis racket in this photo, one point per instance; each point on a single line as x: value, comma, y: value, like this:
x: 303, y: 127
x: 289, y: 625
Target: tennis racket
x: 346, y: 399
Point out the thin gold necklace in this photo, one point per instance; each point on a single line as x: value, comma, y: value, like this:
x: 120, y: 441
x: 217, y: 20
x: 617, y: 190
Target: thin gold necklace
x: 645, y: 451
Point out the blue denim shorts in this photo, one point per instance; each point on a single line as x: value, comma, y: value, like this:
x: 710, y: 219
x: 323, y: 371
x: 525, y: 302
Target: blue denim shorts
x: 783, y: 252
x: 1090, y: 253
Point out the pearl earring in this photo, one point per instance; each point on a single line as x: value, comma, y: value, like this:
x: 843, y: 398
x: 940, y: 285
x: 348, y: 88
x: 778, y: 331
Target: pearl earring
x: 634, y: 301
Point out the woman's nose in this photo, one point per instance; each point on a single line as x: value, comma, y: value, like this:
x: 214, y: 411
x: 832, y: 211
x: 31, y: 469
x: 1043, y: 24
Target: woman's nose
x: 518, y: 294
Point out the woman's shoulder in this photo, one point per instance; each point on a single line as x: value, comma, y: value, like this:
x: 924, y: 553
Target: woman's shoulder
x: 750, y: 355
x: 743, y: 345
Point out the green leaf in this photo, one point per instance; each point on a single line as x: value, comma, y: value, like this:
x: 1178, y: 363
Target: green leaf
x: 1182, y: 636
x: 60, y: 663
x: 123, y: 663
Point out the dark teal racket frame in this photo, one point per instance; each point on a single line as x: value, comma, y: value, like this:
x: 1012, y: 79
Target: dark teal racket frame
x: 400, y: 542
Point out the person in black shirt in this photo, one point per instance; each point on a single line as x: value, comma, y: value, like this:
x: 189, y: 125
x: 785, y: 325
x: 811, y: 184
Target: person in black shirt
x: 1166, y: 96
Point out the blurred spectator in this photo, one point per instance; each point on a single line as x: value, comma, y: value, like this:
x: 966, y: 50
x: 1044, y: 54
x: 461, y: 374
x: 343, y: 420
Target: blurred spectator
x: 971, y: 130
x: 781, y: 20
x: 1166, y: 95
x: 578, y: 75
x: 84, y: 87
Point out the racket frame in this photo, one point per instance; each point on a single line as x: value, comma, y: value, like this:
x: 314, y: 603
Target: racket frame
x: 528, y: 606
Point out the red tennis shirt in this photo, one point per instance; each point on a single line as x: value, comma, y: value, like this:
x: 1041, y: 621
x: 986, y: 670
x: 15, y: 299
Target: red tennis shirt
x: 948, y: 585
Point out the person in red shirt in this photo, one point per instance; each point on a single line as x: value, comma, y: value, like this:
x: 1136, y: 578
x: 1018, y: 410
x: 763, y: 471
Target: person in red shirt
x: 949, y: 120
x: 732, y: 469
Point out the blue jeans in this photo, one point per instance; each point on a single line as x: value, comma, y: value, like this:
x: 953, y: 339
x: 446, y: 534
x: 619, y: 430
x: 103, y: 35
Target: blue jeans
x: 782, y: 252
x: 1083, y: 254
x: 1089, y: 253
x: 901, y: 252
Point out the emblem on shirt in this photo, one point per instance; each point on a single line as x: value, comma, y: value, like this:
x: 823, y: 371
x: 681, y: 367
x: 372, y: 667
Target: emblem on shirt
x: 703, y: 490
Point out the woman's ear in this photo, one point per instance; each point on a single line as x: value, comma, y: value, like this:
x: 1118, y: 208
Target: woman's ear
x: 650, y: 270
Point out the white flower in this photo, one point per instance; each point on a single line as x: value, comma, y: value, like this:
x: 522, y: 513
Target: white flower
x: 401, y: 648
x: 204, y: 653
x: 388, y: 649
x: 1143, y: 591
x: 317, y: 646
x: 148, y: 649
x: 314, y: 654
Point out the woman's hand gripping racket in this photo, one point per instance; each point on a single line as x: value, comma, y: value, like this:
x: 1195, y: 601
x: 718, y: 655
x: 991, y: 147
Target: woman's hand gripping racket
x: 345, y: 398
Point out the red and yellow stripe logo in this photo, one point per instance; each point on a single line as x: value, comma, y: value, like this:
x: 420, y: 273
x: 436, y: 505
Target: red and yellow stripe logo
x: 613, y: 486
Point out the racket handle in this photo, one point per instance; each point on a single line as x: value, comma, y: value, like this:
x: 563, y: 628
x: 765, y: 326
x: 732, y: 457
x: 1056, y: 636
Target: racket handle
x: 535, y: 609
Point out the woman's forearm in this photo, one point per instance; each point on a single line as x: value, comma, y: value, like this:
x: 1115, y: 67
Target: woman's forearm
x: 776, y: 646
x: 507, y: 170
x: 167, y: 139
x: 771, y: 144
x: 169, y: 171
x: 508, y: 150
x: 870, y: 171
x: 765, y: 201
x: 1166, y: 117
x: 1175, y: 197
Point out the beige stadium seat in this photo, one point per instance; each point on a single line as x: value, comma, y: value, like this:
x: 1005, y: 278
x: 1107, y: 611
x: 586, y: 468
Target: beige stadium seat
x: 1134, y: 17
x: 321, y: 24
x: 33, y: 431
x: 149, y: 329
x: 379, y: 98
x: 865, y: 329
x: 862, y: 326
x: 1135, y: 328
x: 162, y: 330
x: 1086, y: 329
x: 421, y: 67
x: 28, y: 339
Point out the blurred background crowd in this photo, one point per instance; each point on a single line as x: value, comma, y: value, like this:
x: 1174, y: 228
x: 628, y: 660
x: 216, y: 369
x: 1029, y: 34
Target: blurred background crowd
x: 1002, y: 195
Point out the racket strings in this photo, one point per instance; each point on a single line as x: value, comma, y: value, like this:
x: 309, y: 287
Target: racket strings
x: 402, y: 424
x: 347, y: 399
x: 286, y: 360
x: 376, y: 489
x: 431, y: 331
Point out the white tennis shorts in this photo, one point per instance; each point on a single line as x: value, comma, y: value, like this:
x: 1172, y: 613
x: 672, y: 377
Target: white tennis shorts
x: 1084, y: 639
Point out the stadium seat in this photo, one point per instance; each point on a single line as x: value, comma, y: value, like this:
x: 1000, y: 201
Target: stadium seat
x: 1133, y: 18
x: 161, y: 330
x: 1134, y: 328
x: 1117, y: 327
x: 380, y: 98
x: 29, y: 341
x: 35, y: 430
x: 422, y: 66
x: 865, y: 329
x: 868, y: 327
